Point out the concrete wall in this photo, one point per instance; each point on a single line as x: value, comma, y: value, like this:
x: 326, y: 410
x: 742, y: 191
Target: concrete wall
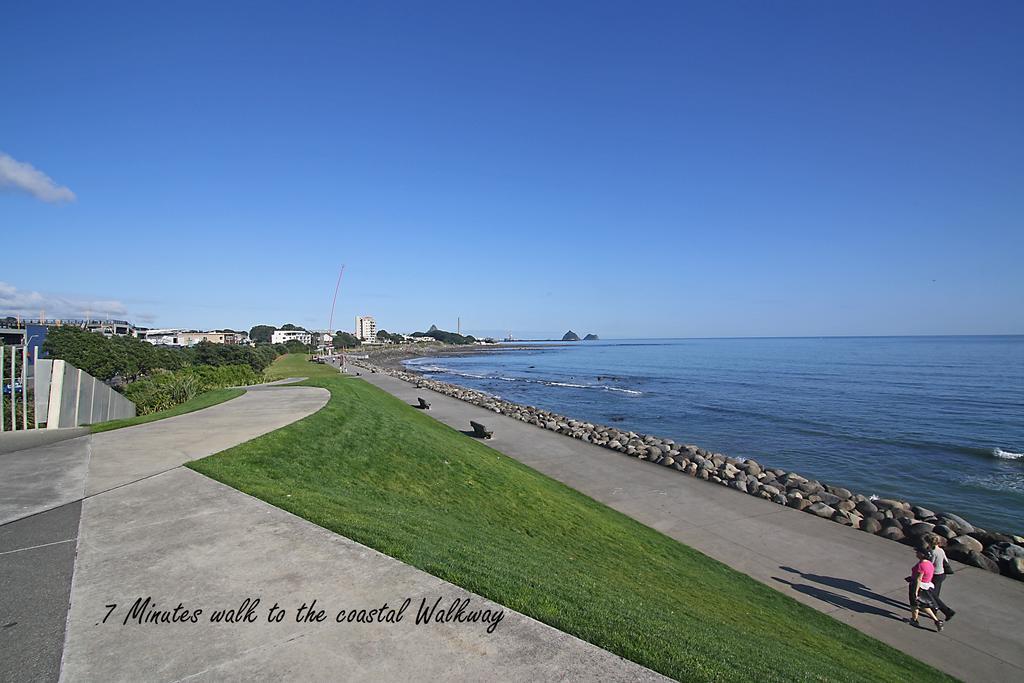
x: 68, y: 397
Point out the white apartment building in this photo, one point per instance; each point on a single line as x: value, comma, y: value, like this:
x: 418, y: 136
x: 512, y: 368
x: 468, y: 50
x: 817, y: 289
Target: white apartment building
x: 282, y: 336
x: 366, y: 328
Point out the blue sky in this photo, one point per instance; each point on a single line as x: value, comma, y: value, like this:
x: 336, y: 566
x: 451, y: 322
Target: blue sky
x: 628, y: 169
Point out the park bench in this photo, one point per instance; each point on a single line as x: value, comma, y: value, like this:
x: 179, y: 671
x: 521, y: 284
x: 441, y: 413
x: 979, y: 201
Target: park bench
x: 480, y: 431
x: 423, y: 404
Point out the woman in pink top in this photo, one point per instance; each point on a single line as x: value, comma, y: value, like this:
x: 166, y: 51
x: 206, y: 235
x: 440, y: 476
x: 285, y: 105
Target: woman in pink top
x: 921, y: 597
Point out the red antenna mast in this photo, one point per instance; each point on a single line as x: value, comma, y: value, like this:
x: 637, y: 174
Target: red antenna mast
x: 330, y: 325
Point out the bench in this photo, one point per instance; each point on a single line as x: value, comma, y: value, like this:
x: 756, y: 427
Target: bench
x: 423, y: 404
x: 480, y: 431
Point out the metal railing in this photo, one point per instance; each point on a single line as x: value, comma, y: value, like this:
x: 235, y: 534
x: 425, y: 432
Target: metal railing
x: 38, y: 392
x: 15, y: 404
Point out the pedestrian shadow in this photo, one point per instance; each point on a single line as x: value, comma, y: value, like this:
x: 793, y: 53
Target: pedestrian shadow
x: 849, y: 586
x: 839, y: 600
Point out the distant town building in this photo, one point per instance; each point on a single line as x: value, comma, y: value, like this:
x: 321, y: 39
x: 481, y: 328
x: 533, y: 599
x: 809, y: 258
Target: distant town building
x: 178, y: 337
x: 366, y: 328
x: 283, y: 336
x: 164, y: 336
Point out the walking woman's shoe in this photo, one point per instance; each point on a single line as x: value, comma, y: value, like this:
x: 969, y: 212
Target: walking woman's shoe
x: 949, y: 615
x: 914, y: 622
x: 939, y: 624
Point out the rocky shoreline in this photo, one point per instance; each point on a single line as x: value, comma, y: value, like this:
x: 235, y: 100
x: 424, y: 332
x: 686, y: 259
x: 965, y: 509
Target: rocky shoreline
x: 896, y: 520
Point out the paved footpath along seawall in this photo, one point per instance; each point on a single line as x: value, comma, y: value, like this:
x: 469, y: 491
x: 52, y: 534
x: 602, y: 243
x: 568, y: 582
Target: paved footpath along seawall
x: 853, y: 576
x: 114, y: 517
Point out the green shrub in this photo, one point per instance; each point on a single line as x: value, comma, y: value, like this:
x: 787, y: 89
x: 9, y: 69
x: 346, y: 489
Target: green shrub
x: 163, y: 389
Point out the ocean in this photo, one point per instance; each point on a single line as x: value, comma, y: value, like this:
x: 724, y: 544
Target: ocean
x: 938, y: 421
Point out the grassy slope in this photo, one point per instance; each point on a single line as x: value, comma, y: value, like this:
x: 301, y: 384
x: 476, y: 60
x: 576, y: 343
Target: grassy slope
x: 296, y: 365
x: 205, y: 400
x: 382, y: 473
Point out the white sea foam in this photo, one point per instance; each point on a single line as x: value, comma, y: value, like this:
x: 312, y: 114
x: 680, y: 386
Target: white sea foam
x: 623, y: 391
x: 1006, y: 455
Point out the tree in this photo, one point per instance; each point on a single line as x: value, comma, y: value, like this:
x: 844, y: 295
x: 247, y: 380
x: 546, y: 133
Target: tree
x: 262, y: 333
x: 385, y: 336
x: 445, y: 337
x: 289, y: 326
x: 345, y: 340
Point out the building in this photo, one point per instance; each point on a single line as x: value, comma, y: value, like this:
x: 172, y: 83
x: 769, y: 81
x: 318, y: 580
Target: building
x: 322, y: 339
x: 282, y: 336
x: 214, y: 337
x: 165, y: 336
x: 366, y: 328
x: 177, y: 337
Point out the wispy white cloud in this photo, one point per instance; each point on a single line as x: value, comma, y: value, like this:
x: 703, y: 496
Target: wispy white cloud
x: 27, y: 178
x: 14, y: 301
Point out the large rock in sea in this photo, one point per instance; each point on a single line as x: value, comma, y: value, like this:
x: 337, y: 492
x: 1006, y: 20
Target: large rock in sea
x: 591, y: 337
x: 570, y: 336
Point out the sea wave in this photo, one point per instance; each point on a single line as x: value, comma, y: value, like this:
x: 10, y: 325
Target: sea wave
x: 1006, y: 455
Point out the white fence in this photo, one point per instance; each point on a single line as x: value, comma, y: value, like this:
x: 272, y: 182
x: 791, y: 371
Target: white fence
x: 54, y: 393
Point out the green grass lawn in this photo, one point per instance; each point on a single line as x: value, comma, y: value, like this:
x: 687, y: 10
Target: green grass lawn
x: 296, y: 365
x: 205, y: 400
x: 382, y: 473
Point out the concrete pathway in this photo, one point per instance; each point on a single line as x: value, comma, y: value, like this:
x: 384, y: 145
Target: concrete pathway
x: 143, y: 526
x: 851, y: 575
x: 180, y: 537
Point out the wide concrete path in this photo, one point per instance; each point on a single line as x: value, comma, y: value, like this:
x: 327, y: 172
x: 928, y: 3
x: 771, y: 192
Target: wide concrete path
x: 41, y: 494
x: 179, y: 537
x: 851, y: 575
x: 150, y: 528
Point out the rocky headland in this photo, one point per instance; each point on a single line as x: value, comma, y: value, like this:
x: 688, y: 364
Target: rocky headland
x: 896, y: 520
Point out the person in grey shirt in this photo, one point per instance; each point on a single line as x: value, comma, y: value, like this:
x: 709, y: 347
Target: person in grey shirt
x: 933, y: 544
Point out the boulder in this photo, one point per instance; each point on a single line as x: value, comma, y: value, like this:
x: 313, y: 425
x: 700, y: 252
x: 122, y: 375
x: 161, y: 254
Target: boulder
x: 1014, y: 568
x: 667, y: 461
x: 841, y: 517
x: 872, y: 526
x: 809, y: 486
x: 822, y: 510
x: 966, y: 544
x: 751, y: 468
x: 893, y: 533
x: 944, y: 531
x: 866, y: 507
x: 920, y: 529
x: 889, y: 503
x: 922, y: 513
x: 844, y: 494
x: 770, y: 490
x: 987, y: 538
x: 983, y: 561
x: 846, y: 505
x: 799, y: 503
x: 828, y: 498
x: 1004, y: 553
x: 738, y: 485
x: 963, y: 526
